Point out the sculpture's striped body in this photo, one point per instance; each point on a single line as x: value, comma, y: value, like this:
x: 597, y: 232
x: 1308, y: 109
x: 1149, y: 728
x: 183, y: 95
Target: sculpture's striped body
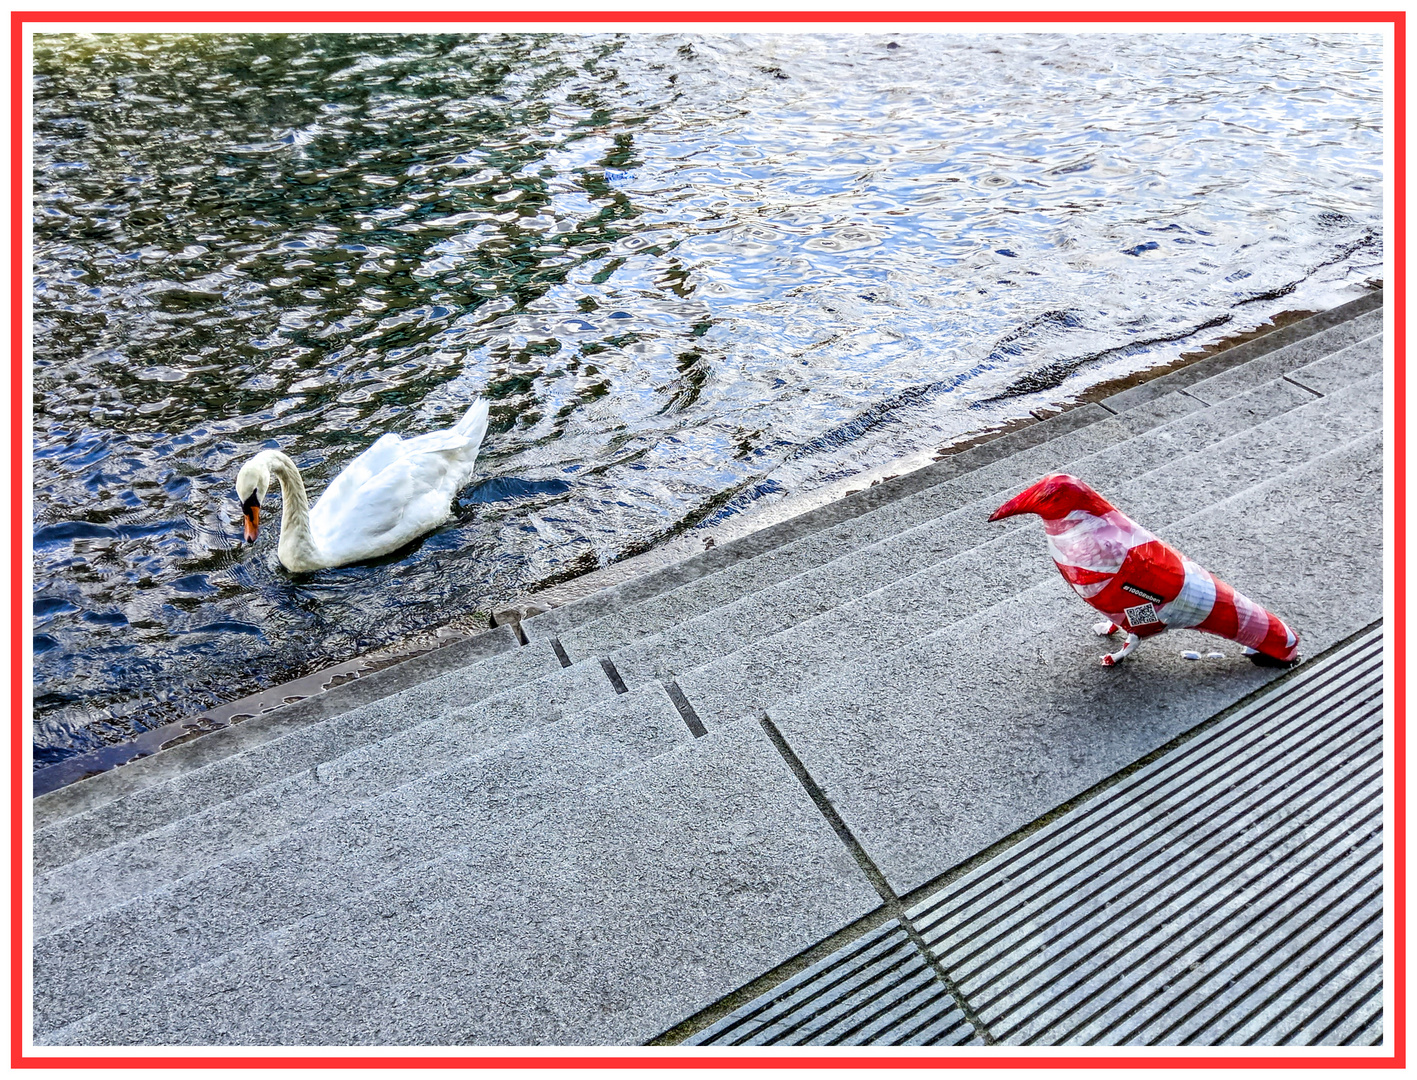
x: 1140, y: 583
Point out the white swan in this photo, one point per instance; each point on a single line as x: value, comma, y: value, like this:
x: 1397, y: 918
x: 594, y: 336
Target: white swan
x: 394, y: 492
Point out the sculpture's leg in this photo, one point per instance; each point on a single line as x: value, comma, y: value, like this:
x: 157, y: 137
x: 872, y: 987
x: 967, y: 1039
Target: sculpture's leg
x: 1121, y: 654
x: 1105, y: 629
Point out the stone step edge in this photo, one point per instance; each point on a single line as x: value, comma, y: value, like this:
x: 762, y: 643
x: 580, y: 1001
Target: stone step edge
x: 855, y: 931
x: 339, y: 688
x: 184, y: 745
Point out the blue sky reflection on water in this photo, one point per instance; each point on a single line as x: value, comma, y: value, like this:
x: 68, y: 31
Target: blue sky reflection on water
x: 691, y: 273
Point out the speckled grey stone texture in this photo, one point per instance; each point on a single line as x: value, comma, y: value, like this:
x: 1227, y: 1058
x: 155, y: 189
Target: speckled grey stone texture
x: 330, y: 862
x: 1316, y: 353
x: 152, y: 861
x: 603, y: 921
x: 957, y: 739
x: 110, y: 786
x: 1299, y: 343
x: 1343, y: 368
x: 269, y: 762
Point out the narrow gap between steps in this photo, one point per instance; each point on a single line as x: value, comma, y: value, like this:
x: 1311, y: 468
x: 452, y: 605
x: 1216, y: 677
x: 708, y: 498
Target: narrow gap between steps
x: 560, y: 652
x: 520, y: 633
x: 1301, y: 386
x: 873, y: 874
x: 614, y: 677
x: 691, y: 718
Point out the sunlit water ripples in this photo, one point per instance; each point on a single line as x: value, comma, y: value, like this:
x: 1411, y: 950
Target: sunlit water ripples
x: 692, y: 273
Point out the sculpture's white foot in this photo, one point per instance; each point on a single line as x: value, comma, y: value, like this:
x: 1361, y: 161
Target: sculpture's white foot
x: 1105, y: 629
x: 1112, y: 659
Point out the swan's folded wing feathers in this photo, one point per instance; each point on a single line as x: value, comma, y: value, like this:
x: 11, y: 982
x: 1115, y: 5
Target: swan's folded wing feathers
x: 407, y: 498
x: 386, y: 450
x: 397, y: 490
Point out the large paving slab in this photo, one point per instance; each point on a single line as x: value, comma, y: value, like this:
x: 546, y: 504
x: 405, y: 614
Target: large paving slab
x: 1228, y: 893
x: 305, y: 748
x: 331, y: 861
x: 605, y: 920
x: 953, y: 742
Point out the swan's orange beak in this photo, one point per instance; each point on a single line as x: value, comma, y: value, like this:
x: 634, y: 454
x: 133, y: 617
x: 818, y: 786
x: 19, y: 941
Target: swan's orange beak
x: 251, y: 518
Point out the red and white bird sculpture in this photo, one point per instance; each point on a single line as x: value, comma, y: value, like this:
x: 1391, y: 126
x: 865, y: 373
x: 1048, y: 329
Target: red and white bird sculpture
x: 1141, y: 584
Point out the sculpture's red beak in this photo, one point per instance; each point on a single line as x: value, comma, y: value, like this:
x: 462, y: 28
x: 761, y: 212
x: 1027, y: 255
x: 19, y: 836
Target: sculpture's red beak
x: 251, y: 518
x: 1022, y: 503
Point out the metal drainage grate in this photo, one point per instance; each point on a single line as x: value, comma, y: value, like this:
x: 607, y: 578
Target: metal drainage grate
x: 1228, y: 893
x: 878, y: 991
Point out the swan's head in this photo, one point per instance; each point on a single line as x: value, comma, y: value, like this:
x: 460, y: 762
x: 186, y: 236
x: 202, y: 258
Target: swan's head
x: 252, y: 483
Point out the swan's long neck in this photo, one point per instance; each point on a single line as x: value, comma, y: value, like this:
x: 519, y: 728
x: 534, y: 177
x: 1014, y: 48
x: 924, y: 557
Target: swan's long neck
x: 297, y: 549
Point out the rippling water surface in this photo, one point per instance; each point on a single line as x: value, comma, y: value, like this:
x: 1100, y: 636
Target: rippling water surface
x: 691, y: 273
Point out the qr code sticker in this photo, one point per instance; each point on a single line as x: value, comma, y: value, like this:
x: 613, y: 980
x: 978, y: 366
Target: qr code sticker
x: 1141, y: 614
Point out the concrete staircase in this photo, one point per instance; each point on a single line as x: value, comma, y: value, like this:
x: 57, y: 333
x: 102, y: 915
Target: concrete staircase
x: 591, y: 830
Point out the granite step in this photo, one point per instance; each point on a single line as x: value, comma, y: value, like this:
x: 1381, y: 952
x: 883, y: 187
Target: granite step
x: 327, y: 863
x: 299, y: 753
x: 737, y: 623
x: 624, y: 596
x: 186, y: 844
x: 107, y: 787
x: 603, y: 919
x: 1313, y: 339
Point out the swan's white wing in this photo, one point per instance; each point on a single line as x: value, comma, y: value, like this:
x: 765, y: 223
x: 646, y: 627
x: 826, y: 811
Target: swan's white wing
x: 402, y: 502
x: 396, y: 490
x: 386, y: 450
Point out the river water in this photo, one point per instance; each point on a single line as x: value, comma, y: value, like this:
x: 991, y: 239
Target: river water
x: 691, y: 272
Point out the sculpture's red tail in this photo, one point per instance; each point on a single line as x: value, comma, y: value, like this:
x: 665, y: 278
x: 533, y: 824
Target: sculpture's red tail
x: 1239, y: 618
